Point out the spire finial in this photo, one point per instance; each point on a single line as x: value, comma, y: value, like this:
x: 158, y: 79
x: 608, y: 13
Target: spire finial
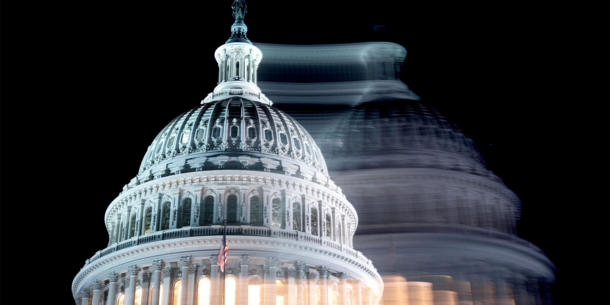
x: 239, y: 28
x: 239, y: 9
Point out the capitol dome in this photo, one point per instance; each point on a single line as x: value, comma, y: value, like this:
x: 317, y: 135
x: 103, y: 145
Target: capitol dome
x: 234, y: 133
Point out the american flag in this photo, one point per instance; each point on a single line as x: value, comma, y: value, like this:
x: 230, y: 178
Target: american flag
x: 222, y: 254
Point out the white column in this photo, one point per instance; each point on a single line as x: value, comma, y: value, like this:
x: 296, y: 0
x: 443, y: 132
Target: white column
x: 369, y: 300
x: 301, y: 283
x: 112, y: 278
x: 333, y: 225
x: 167, y: 288
x: 519, y: 289
x: 215, y: 297
x: 343, y: 293
x: 185, y: 262
x: 313, y: 279
x: 192, y: 286
x: 130, y: 292
x: 255, y: 73
x: 140, y: 220
x: 266, y: 208
x: 243, y: 279
x: 270, y: 278
x: 146, y: 276
x: 97, y: 286
x: 85, y: 294
x: 290, y: 294
x: 359, y: 293
x: 156, y: 279
x: 323, y: 285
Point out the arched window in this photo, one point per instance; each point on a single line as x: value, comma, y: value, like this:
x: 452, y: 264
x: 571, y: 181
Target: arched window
x: 121, y: 299
x: 229, y: 291
x: 232, y: 209
x: 254, y: 292
x: 255, y: 212
x: 165, y: 215
x: 177, y: 290
x: 279, y: 293
x: 186, y: 212
x: 132, y: 226
x: 203, y: 292
x: 138, y: 297
x: 314, y: 221
x: 329, y: 226
x: 276, y: 213
x: 147, y: 220
x: 208, y: 211
x: 296, y: 216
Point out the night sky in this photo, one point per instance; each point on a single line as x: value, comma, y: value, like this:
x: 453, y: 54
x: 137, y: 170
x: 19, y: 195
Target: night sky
x: 526, y: 81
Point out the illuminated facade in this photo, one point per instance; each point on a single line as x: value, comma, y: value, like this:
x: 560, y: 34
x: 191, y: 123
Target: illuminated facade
x: 235, y: 158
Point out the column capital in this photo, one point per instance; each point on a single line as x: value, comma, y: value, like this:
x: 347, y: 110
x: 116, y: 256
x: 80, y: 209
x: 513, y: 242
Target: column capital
x: 97, y: 285
x: 244, y: 259
x: 313, y: 277
x: 342, y: 276
x: 146, y: 276
x: 133, y: 270
x: 273, y: 262
x: 292, y: 273
x: 323, y: 272
x: 167, y: 272
x: 192, y: 268
x: 300, y: 265
x: 185, y: 261
x: 113, y: 277
x: 158, y: 264
x: 214, y: 260
x: 85, y: 293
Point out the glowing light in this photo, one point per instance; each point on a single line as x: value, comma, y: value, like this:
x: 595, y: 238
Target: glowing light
x: 177, y: 290
x: 230, y: 291
x: 138, y: 299
x: 203, y: 292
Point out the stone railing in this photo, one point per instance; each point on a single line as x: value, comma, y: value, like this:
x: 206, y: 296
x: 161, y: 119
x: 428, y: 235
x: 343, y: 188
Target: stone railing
x: 231, y: 230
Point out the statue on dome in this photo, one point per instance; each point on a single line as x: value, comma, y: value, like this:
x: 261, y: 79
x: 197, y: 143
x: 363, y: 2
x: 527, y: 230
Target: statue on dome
x: 239, y: 9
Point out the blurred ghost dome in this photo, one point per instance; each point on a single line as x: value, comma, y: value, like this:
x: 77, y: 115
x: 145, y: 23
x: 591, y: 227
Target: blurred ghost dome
x: 400, y: 133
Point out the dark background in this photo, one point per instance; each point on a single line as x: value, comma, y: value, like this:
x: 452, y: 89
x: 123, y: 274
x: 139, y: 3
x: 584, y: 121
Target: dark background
x: 528, y: 81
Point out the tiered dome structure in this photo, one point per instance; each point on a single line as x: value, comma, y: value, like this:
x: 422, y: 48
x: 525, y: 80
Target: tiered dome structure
x: 238, y: 160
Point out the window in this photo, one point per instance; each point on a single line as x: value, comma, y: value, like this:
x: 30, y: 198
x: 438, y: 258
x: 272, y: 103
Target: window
x: 216, y: 132
x: 170, y: 142
x: 199, y: 134
x: 232, y: 209
x: 296, y: 216
x: 283, y: 138
x: 185, y: 136
x: 254, y: 292
x: 234, y: 131
x: 121, y: 299
x: 203, y: 292
x: 268, y: 135
x: 186, y: 212
x: 165, y: 215
x: 208, y: 210
x: 276, y: 213
x: 255, y: 211
x: 159, y: 146
x: 307, y: 149
x: 252, y: 132
x: 297, y: 143
x: 138, y: 297
x: 229, y: 291
x: 328, y: 226
x: 132, y: 226
x: 147, y: 220
x: 314, y: 221
x: 279, y: 293
x: 177, y: 290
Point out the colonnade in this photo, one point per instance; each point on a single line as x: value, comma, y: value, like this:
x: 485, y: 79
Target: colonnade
x: 285, y: 283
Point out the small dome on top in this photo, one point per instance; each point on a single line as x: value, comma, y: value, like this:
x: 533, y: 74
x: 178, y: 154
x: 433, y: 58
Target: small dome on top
x: 231, y: 132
